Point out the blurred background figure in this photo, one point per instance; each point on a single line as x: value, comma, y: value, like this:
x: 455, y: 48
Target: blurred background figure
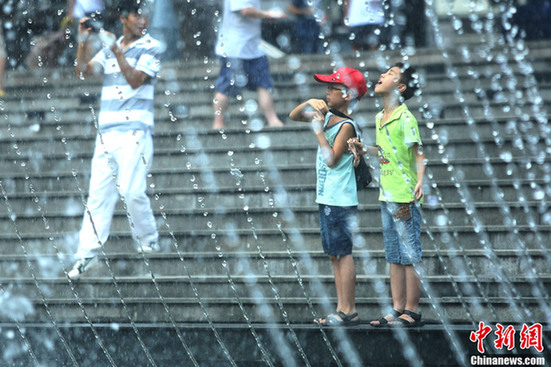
x: 307, y: 28
x: 366, y: 20
x: 243, y: 63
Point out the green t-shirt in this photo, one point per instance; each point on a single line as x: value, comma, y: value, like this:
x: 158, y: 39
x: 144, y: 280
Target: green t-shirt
x: 395, y: 140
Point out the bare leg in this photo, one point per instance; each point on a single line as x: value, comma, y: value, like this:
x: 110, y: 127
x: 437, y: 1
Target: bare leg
x: 2, y: 67
x: 219, y: 105
x: 266, y: 103
x: 406, y: 289
x: 338, y: 280
x: 413, y: 291
x: 398, y: 286
x: 345, y: 281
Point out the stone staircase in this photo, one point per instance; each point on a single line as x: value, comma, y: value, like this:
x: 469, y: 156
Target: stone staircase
x: 236, y: 212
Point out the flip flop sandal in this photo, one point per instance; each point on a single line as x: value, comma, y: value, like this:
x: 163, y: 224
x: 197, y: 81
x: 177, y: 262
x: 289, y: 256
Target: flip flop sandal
x: 384, y: 322
x: 399, y: 322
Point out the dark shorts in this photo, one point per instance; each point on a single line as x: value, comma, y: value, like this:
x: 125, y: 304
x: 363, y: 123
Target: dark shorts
x: 338, y: 227
x: 236, y: 74
x: 402, y: 233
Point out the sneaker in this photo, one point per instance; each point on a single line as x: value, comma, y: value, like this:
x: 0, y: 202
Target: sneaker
x: 151, y: 247
x: 81, y: 266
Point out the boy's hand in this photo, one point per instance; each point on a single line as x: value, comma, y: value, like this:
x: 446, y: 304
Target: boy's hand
x: 319, y: 105
x: 418, y: 190
x: 83, y: 31
x: 356, y: 147
x: 317, y: 123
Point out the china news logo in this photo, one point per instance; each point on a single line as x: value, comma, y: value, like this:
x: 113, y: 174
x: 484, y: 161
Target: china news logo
x: 530, y: 338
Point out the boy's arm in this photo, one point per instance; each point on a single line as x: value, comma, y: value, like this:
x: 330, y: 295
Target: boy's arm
x: 420, y: 160
x: 136, y: 78
x: 262, y: 14
x: 83, y: 66
x: 333, y: 155
x: 309, y: 110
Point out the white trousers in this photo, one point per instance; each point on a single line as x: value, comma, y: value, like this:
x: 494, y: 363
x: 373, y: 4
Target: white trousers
x: 119, y: 170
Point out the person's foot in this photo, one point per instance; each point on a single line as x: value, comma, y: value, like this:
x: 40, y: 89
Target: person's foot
x: 148, y: 248
x: 407, y: 319
x: 342, y: 319
x: 275, y: 123
x: 385, y: 320
x: 81, y: 266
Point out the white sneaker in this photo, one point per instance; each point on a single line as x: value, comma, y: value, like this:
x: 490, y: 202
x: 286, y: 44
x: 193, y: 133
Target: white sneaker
x: 81, y: 266
x: 148, y: 248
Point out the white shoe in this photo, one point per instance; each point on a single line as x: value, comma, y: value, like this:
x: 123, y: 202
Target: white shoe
x: 151, y: 247
x: 81, y: 266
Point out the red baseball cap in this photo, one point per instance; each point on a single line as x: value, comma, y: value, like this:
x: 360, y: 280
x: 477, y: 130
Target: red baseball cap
x: 350, y: 77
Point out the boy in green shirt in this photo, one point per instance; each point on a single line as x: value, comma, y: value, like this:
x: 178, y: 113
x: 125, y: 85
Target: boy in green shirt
x: 402, y: 164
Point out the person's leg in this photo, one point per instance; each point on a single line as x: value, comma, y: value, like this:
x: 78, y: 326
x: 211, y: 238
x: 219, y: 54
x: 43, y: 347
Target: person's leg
x: 338, y: 280
x: 220, y: 106
x: 258, y: 77
x: 392, y: 256
x: 398, y: 286
x: 134, y: 157
x: 413, y: 291
x: 101, y: 203
x: 347, y: 284
x: 266, y: 102
x: 227, y: 85
x: 409, y: 227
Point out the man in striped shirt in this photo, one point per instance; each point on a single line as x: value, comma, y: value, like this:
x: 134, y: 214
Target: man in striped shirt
x: 124, y: 146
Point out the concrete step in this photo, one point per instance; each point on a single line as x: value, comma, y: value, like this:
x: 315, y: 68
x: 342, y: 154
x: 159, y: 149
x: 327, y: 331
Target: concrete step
x: 238, y: 287
x: 230, y: 239
x: 70, y: 200
x: 458, y: 214
x: 104, y: 293
x: 439, y: 130
x: 266, y: 307
x: 436, y: 93
x: 459, y: 265
x: 282, y: 155
x: 173, y: 79
x: 77, y: 119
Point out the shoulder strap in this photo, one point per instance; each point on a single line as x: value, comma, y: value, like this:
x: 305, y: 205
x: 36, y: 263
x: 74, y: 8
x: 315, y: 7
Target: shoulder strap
x: 349, y: 119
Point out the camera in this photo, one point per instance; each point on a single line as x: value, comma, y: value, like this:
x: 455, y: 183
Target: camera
x: 93, y: 24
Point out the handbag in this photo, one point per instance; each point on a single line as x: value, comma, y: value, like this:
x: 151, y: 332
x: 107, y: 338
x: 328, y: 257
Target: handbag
x: 363, y: 174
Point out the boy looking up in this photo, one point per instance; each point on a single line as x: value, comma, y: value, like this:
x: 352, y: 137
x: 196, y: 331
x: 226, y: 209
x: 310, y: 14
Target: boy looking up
x: 402, y: 164
x: 336, y: 184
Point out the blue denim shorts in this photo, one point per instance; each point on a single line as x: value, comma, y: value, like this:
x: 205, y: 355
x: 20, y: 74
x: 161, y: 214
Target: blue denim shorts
x: 338, y: 226
x: 236, y: 74
x: 401, y: 232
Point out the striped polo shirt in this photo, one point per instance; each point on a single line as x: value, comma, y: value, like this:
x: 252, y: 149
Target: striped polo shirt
x: 124, y: 108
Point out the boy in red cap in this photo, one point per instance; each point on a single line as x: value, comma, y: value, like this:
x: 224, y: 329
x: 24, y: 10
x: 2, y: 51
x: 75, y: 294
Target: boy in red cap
x: 336, y: 184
